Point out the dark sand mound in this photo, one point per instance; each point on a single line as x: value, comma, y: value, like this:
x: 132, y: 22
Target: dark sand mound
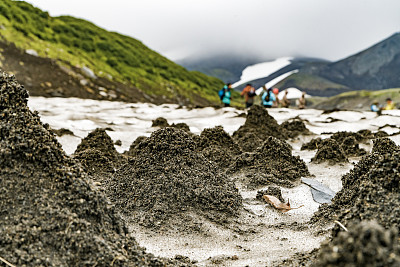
x: 272, y: 163
x: 330, y: 151
x: 258, y: 127
x: 384, y: 145
x: 167, y: 178
x: 218, y: 146
x: 181, y: 125
x: 340, y: 136
x: 162, y: 123
x: 314, y: 143
x: 295, y: 127
x: 96, y: 149
x: 365, y: 244
x: 49, y: 214
x: 351, y: 147
x: 367, y: 134
x: 62, y: 131
x: 94, y: 161
x: 370, y: 191
x: 349, y: 144
x: 101, y: 141
x: 133, y: 148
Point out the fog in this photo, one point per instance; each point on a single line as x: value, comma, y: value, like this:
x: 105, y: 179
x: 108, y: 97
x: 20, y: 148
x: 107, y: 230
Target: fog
x: 328, y: 29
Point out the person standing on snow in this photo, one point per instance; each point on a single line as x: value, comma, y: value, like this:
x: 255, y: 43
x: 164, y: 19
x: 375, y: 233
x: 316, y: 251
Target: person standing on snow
x: 249, y: 92
x: 285, y: 102
x: 226, y: 99
x: 268, y: 98
x: 302, y: 101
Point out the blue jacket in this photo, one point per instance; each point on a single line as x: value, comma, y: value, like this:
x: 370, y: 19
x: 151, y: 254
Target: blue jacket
x: 227, y: 97
x: 272, y: 98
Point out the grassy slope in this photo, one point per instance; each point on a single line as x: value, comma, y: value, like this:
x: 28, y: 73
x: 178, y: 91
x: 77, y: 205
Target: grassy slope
x: 82, y: 43
x: 309, y: 83
x: 357, y: 99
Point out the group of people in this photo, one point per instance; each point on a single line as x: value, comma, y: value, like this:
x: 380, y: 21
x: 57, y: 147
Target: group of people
x: 269, y: 97
x: 378, y: 108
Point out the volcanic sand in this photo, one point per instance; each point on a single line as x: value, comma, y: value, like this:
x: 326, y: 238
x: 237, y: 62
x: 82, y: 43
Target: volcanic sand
x: 260, y: 235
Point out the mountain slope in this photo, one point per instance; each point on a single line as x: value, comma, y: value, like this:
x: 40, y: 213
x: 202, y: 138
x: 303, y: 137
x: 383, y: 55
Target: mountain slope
x: 374, y: 68
x: 227, y: 67
x: 115, y: 59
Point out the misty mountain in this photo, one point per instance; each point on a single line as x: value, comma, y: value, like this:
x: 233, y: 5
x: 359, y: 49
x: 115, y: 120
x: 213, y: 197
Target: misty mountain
x: 227, y: 67
x: 375, y: 68
x: 295, y: 64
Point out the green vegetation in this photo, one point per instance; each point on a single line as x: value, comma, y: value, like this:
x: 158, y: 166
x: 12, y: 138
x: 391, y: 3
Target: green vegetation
x: 309, y: 82
x: 356, y: 99
x: 81, y: 43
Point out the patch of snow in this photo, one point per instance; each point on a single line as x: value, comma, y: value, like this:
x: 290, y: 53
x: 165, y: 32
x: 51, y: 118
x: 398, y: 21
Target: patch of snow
x: 262, y: 70
x: 276, y: 80
x: 293, y: 93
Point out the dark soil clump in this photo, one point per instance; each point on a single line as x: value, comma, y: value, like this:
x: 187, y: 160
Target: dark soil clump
x: 50, y: 215
x: 133, y: 148
x: 218, y: 146
x: 272, y: 163
x: 94, y: 161
x: 330, y: 151
x: 370, y: 191
x: 182, y: 126
x: 62, y: 131
x: 341, y: 136
x: 167, y: 179
x: 100, y: 141
x: 351, y: 148
x: 160, y: 122
x: 295, y: 127
x: 365, y: 244
x: 384, y: 145
x: 258, y: 127
x: 313, y: 144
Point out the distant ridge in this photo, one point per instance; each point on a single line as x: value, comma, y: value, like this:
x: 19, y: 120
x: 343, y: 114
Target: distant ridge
x: 375, y: 68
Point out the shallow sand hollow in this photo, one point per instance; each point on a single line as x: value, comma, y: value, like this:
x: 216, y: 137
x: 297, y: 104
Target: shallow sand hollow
x: 260, y: 235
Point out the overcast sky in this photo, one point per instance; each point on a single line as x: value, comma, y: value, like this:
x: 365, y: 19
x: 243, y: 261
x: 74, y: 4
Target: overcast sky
x: 329, y: 29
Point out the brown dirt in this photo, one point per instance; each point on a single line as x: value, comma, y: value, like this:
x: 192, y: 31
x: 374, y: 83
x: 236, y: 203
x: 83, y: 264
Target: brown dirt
x: 365, y: 244
x: 218, y: 146
x: 102, y: 142
x: 62, y: 131
x: 258, y: 127
x: 271, y: 163
x: 168, y: 180
x: 162, y: 122
x: 133, y: 147
x: 295, y: 127
x: 50, y: 214
x: 330, y: 151
x: 314, y: 143
x: 370, y: 190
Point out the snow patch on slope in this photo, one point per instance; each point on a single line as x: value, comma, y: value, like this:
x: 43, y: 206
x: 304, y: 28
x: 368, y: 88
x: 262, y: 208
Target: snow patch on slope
x: 262, y: 70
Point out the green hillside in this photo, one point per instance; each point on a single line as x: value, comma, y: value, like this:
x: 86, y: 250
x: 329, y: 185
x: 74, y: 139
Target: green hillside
x: 355, y: 100
x: 78, y: 43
